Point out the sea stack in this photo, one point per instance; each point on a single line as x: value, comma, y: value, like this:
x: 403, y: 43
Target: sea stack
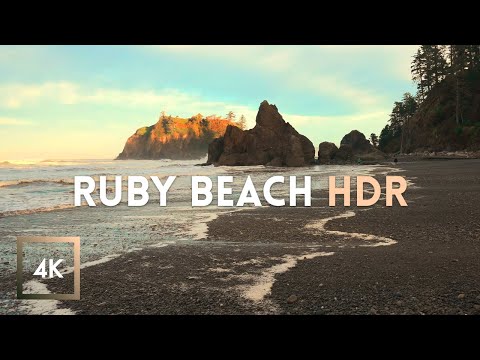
x: 272, y: 142
x: 326, y: 152
x: 354, y: 147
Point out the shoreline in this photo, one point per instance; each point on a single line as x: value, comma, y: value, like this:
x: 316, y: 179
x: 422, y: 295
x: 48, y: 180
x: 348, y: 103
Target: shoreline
x: 273, y: 260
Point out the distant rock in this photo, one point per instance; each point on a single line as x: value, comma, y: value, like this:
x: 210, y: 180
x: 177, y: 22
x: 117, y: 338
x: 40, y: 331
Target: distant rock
x: 271, y: 142
x: 344, y: 154
x: 358, y: 142
x: 215, y: 149
x: 175, y: 138
x: 326, y: 152
x: 354, y: 147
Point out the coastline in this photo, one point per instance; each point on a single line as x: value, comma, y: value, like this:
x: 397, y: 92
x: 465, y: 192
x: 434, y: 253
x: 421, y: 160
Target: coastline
x: 300, y: 260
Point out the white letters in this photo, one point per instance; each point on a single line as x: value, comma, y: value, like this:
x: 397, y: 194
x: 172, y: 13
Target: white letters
x: 266, y: 191
x: 52, y: 269
x: 103, y: 191
x: 222, y: 191
x: 85, y: 192
x: 207, y: 191
x: 294, y: 191
x: 163, y: 188
x: 142, y: 191
x: 203, y: 193
x: 244, y: 198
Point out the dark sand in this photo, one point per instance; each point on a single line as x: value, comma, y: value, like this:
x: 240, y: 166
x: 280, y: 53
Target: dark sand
x: 434, y: 268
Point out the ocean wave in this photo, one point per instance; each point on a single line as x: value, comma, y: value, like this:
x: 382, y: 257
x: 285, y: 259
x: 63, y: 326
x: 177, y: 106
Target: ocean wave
x: 33, y: 211
x: 36, y: 181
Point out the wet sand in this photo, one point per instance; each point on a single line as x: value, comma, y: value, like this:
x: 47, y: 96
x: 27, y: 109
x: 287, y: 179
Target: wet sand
x: 424, y: 259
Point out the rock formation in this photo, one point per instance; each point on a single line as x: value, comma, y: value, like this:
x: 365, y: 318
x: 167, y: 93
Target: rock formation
x: 354, y: 147
x: 272, y: 142
x: 326, y: 152
x: 358, y: 142
x: 174, y: 138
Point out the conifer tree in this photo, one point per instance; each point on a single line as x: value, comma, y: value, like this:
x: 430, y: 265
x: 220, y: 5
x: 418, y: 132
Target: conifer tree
x: 242, y: 123
x: 231, y: 116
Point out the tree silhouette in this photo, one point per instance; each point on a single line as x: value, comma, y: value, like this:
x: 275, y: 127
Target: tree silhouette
x: 231, y: 116
x: 242, y: 123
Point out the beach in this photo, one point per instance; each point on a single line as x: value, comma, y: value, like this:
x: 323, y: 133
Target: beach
x: 420, y: 259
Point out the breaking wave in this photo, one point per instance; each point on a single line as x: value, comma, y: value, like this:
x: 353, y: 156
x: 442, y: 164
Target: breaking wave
x: 31, y: 182
x: 33, y: 211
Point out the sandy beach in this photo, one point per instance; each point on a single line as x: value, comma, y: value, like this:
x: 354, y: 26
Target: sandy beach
x: 417, y: 260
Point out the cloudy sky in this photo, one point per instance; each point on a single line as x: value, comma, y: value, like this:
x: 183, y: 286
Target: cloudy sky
x: 60, y: 102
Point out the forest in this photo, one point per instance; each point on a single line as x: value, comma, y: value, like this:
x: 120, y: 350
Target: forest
x: 431, y: 66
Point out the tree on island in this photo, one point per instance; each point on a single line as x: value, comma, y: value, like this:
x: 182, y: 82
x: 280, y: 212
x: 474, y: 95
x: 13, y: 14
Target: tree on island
x: 167, y: 124
x: 205, y: 123
x: 231, y: 116
x: 242, y: 123
x: 374, y: 139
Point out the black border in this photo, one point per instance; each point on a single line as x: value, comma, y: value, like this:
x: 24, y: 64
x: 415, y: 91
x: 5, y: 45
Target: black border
x: 228, y: 23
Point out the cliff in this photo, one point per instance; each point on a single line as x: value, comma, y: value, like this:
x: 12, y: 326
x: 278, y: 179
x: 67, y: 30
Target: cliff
x: 272, y: 142
x: 434, y: 127
x: 174, y: 138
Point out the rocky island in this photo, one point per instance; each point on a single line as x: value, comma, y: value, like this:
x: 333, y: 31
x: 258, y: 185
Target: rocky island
x: 272, y: 142
x: 175, y: 138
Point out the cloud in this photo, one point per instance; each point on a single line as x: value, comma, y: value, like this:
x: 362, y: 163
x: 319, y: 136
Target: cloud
x: 14, y: 96
x: 13, y: 121
x: 353, y: 119
x: 321, y: 70
x: 172, y: 101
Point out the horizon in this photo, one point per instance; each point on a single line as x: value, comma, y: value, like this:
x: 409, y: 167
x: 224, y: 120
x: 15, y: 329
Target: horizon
x: 83, y: 102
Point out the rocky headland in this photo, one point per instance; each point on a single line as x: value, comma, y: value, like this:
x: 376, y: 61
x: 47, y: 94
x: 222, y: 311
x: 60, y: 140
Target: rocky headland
x: 175, y: 138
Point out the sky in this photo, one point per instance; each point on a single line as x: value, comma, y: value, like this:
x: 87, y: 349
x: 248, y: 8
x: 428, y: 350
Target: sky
x: 83, y: 102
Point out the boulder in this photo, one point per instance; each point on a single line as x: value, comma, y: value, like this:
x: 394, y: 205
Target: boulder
x: 271, y: 142
x: 215, y: 149
x: 358, y: 142
x: 326, y: 152
x: 344, y: 154
x: 355, y: 147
